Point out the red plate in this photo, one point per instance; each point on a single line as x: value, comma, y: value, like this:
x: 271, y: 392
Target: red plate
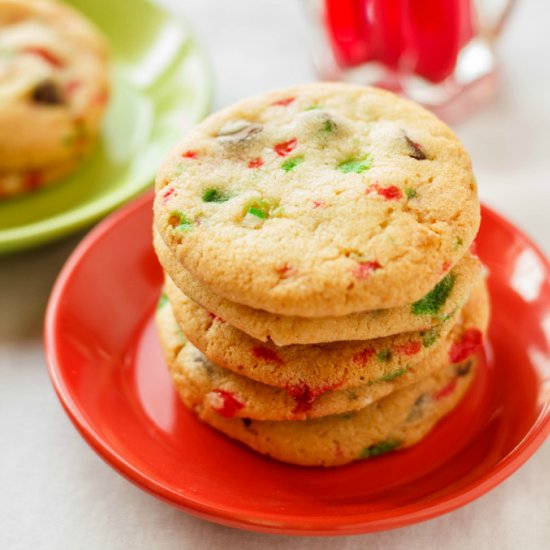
x: 106, y: 366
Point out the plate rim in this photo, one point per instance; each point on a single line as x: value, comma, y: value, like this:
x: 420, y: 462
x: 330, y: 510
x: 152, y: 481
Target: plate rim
x: 37, y: 233
x: 234, y: 516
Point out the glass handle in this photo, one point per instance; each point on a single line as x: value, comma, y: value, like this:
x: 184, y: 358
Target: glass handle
x: 492, y: 15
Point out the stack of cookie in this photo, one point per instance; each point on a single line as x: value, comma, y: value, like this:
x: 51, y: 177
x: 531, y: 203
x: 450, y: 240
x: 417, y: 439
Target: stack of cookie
x: 54, y: 89
x: 321, y: 303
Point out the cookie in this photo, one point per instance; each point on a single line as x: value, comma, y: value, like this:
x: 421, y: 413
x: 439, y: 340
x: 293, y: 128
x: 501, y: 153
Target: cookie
x: 54, y: 88
x: 318, y: 200
x: 15, y: 183
x: 284, y: 330
x: 234, y: 395
x: 394, y: 422
x: 309, y: 370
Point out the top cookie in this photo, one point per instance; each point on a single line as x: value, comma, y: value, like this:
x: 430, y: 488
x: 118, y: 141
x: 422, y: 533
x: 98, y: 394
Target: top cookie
x: 53, y: 84
x: 317, y: 200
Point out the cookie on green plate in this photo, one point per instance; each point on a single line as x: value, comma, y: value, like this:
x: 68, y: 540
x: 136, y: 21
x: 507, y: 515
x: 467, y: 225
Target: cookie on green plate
x: 54, y: 88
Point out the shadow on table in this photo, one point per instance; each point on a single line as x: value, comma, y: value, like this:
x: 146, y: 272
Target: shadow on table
x: 26, y: 280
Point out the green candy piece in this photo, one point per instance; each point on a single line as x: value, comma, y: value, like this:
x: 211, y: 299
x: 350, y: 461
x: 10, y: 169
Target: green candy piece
x: 430, y: 337
x: 328, y: 126
x: 434, y: 300
x: 262, y: 214
x: 312, y: 107
x: 67, y: 140
x: 384, y: 356
x: 163, y: 300
x: 448, y: 316
x: 410, y: 193
x: 291, y: 163
x: 458, y: 243
x: 261, y: 208
x: 379, y: 448
x: 355, y: 166
x: 214, y: 195
x: 184, y: 223
x: 393, y: 375
x: 79, y: 134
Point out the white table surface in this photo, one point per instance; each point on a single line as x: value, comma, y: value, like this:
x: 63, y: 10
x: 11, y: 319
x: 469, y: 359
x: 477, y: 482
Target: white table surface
x: 55, y: 493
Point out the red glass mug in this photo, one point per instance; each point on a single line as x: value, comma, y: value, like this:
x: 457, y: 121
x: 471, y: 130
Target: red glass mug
x: 433, y: 51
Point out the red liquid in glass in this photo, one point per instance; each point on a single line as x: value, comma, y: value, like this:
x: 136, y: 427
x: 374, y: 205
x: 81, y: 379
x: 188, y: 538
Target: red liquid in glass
x: 421, y: 36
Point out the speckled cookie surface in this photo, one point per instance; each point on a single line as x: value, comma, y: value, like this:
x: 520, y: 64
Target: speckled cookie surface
x: 284, y: 330
x: 318, y: 200
x: 53, y: 91
x: 317, y: 368
x: 231, y: 394
x: 395, y: 422
x: 25, y: 181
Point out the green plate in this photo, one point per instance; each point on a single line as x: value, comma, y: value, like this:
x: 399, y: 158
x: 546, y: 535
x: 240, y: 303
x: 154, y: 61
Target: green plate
x: 161, y: 86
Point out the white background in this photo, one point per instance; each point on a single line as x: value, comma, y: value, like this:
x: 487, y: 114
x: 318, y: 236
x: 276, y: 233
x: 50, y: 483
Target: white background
x: 55, y: 493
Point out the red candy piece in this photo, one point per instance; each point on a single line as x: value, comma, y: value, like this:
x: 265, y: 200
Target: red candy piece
x: 167, y: 194
x: 389, y: 193
x: 471, y: 341
x: 363, y: 357
x: 410, y: 348
x: 261, y: 352
x: 46, y: 55
x: 284, y: 102
x: 229, y: 405
x: 72, y: 86
x: 214, y: 317
x: 445, y: 390
x: 255, y: 163
x: 33, y: 180
x: 190, y: 155
x: 317, y: 204
x: 285, y: 147
x: 364, y: 269
x: 305, y: 396
x: 101, y: 97
x: 445, y: 266
x: 284, y: 270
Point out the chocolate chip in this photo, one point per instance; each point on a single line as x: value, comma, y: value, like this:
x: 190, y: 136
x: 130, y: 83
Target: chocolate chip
x: 246, y: 422
x: 417, y: 410
x: 352, y: 396
x: 415, y: 151
x: 48, y: 93
x: 464, y: 369
x: 201, y: 360
x: 237, y: 131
